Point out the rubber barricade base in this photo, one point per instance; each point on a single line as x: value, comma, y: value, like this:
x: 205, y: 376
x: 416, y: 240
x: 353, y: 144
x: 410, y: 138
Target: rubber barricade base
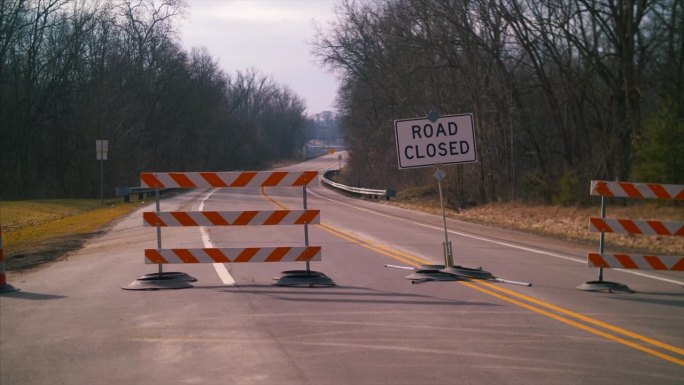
x: 161, y: 281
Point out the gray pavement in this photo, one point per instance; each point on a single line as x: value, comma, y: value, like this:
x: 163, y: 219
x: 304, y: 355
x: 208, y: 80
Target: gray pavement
x: 73, y: 324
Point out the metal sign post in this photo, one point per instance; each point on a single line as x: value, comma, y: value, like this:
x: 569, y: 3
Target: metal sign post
x: 448, y: 252
x: 101, y: 149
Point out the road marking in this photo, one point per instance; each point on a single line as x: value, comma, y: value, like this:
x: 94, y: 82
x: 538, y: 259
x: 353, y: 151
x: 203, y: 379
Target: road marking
x: 488, y: 288
x: 221, y: 270
x: 584, y: 327
x: 500, y: 243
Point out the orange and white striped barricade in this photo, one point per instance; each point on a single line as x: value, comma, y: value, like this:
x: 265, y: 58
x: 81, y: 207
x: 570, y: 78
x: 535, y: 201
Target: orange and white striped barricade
x: 4, y: 286
x: 602, y: 225
x: 160, y: 219
x: 638, y: 262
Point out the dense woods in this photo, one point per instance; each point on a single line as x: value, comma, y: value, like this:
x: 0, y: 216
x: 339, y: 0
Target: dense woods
x: 74, y: 71
x: 562, y: 91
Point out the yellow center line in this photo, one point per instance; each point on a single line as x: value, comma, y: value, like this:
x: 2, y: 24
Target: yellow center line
x: 579, y: 325
x: 491, y: 290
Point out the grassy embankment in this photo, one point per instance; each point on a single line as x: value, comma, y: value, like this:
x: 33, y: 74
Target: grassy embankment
x: 569, y: 223
x: 35, y: 232
x: 40, y: 231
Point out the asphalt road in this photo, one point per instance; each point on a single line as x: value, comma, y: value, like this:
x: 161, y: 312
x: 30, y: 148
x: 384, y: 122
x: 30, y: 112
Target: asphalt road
x: 71, y: 323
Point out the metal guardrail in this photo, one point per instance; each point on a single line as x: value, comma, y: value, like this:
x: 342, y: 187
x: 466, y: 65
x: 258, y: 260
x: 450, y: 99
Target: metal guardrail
x: 356, y: 190
x: 126, y: 192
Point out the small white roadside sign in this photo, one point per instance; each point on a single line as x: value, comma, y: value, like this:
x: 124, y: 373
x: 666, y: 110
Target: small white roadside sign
x: 422, y: 142
x: 101, y: 149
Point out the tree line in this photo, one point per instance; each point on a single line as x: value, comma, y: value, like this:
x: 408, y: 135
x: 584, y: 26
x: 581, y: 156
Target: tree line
x: 562, y: 91
x: 73, y: 71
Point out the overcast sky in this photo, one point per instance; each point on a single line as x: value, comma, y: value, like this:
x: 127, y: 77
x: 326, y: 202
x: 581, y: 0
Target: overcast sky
x: 273, y: 36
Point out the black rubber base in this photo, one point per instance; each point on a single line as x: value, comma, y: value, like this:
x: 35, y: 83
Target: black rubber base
x: 7, y: 288
x: 163, y: 281
x: 427, y: 273
x: 170, y: 275
x: 303, y: 278
x: 468, y: 272
x: 605, y: 286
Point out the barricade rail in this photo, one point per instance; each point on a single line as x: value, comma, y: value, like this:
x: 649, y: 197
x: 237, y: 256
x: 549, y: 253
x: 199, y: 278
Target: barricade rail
x: 232, y: 218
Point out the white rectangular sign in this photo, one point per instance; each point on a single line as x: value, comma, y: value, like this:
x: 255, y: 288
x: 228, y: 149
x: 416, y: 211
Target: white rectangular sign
x: 422, y: 142
x: 101, y: 148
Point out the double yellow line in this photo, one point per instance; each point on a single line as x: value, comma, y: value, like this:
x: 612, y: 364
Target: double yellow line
x: 614, y: 333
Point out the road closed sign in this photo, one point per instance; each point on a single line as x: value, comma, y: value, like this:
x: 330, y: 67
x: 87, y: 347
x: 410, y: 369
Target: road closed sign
x: 422, y: 142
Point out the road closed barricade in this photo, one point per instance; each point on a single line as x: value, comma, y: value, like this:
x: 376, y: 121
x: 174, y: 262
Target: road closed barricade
x: 604, y: 225
x: 191, y: 180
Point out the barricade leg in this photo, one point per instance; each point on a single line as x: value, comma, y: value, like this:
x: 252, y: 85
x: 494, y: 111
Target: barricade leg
x: 161, y: 280
x: 600, y: 284
x: 303, y: 277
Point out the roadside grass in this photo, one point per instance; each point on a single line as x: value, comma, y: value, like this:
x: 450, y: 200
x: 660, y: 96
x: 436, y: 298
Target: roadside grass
x: 568, y: 223
x: 39, y: 231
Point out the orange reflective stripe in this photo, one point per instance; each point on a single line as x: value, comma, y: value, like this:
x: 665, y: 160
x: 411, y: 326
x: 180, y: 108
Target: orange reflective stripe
x: 185, y: 255
x: 659, y: 191
x: 307, y: 217
x: 631, y: 190
x: 247, y: 254
x: 602, y: 189
x: 597, y: 260
x: 217, y: 255
x: 243, y: 179
x: 213, y: 179
x: 153, y: 219
x: 277, y: 254
x: 154, y: 256
x: 150, y: 180
x: 679, y: 266
x: 184, y: 218
x: 626, y: 261
x: 245, y: 218
x: 659, y: 227
x: 630, y: 226
x: 309, y: 253
x: 182, y: 180
x: 305, y: 178
x: 601, y: 225
x: 655, y: 262
x: 274, y: 179
x: 215, y: 218
x: 276, y: 217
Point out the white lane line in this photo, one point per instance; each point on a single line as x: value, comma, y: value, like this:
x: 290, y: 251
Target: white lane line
x: 531, y: 250
x: 221, y: 270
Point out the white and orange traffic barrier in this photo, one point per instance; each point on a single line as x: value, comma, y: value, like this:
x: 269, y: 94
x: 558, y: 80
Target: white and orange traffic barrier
x: 232, y: 218
x: 4, y: 286
x: 158, y: 219
x: 631, y: 226
x: 228, y: 179
x: 631, y: 261
x: 637, y: 190
x: 603, y: 225
x: 233, y: 255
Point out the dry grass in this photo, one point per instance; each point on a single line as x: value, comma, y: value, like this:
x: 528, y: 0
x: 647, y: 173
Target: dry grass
x: 37, y: 231
x: 570, y: 223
